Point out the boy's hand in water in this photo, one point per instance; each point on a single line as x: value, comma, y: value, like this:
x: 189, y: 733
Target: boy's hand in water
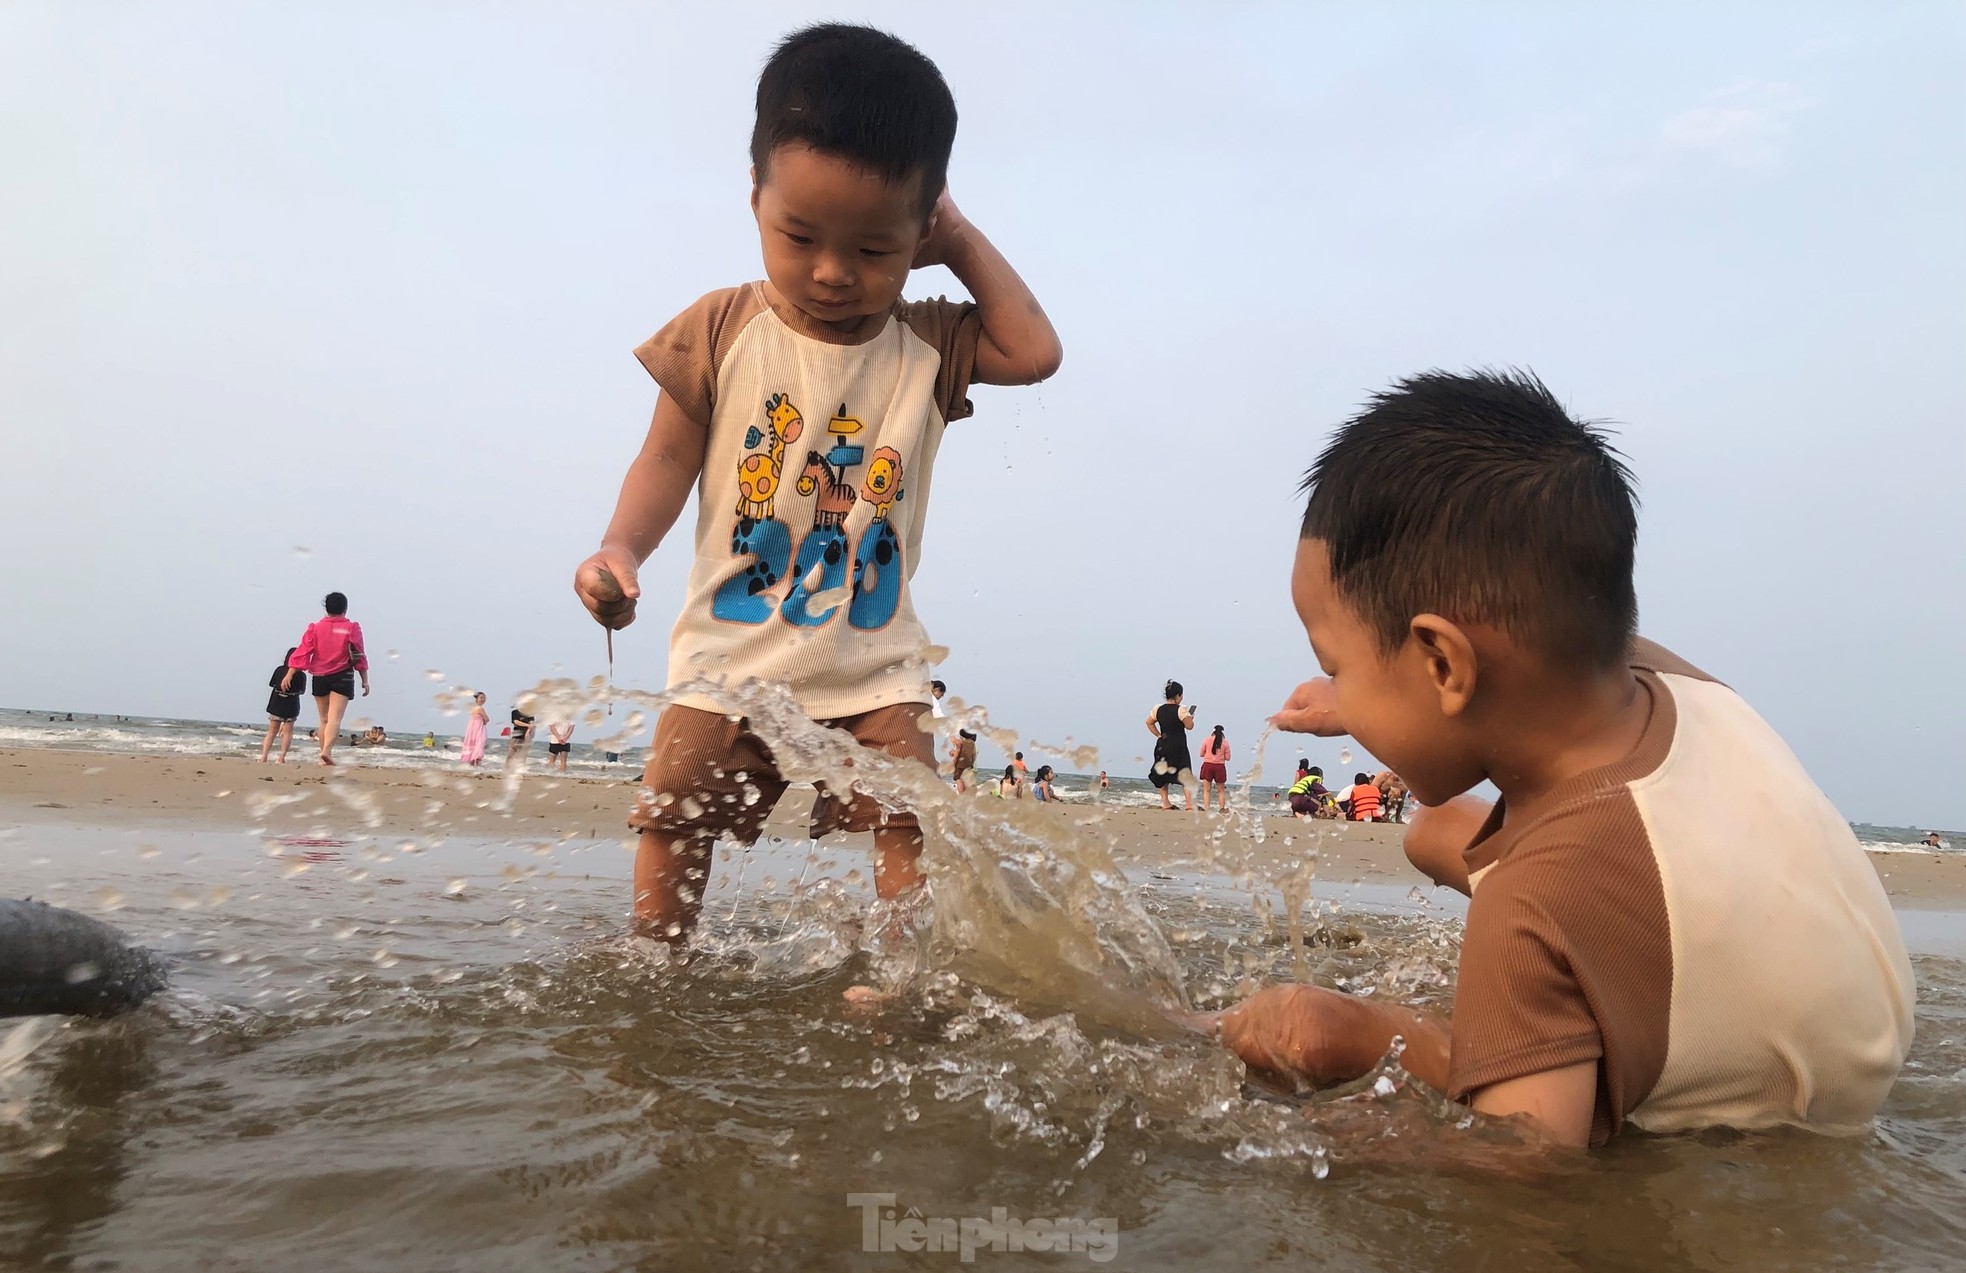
x: 1318, y: 1037
x: 1288, y: 1032
x: 1312, y: 708
x: 607, y: 585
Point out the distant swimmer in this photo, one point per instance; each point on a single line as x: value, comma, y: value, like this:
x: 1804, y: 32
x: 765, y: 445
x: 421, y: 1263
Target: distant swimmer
x: 1932, y: 840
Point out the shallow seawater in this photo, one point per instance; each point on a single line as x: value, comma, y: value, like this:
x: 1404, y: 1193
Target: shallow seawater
x: 451, y: 1058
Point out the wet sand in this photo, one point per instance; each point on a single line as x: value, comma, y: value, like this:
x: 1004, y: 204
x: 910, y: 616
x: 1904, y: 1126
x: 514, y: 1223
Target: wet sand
x: 93, y: 789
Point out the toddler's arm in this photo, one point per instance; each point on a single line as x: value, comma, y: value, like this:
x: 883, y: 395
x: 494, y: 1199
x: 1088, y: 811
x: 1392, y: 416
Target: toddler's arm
x: 1322, y: 1038
x: 652, y: 496
x: 1440, y: 834
x: 1018, y: 345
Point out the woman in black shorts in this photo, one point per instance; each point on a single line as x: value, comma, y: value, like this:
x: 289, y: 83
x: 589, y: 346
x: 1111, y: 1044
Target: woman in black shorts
x: 282, y: 709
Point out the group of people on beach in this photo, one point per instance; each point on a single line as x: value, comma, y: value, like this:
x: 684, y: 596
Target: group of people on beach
x: 518, y: 736
x: 1379, y: 797
x: 331, y: 654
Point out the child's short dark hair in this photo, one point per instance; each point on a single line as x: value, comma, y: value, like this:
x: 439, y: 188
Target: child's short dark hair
x: 1478, y: 498
x: 335, y: 604
x: 862, y: 95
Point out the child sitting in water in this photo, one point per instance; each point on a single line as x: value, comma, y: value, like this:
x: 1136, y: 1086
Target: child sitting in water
x: 1643, y: 945
x: 805, y: 411
x: 1361, y: 803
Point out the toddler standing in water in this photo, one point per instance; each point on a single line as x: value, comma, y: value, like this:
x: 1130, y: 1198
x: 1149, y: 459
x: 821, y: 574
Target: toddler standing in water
x: 1670, y: 926
x: 805, y: 411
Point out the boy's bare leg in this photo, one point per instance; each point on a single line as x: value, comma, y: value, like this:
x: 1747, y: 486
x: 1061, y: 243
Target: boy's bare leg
x: 896, y: 850
x: 671, y: 872
x: 266, y: 743
x: 286, y: 739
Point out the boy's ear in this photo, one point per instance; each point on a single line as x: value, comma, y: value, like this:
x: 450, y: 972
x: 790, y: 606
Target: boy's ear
x: 1449, y: 659
x: 754, y: 190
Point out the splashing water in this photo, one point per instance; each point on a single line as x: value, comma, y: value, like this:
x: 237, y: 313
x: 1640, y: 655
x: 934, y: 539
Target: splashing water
x: 1023, y: 902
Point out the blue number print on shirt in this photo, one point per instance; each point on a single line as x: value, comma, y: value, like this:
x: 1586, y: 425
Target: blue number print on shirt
x: 768, y: 542
x: 825, y: 548
x: 874, y: 604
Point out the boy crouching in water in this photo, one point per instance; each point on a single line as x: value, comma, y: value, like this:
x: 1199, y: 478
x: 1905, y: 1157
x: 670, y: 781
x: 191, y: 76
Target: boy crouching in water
x: 1671, y: 926
x: 805, y: 411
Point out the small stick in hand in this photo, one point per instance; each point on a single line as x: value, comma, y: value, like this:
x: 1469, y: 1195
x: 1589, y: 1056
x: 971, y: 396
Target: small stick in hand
x: 613, y: 587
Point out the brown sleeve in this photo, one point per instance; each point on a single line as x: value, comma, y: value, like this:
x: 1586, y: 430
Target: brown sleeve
x: 1567, y: 957
x: 686, y: 355
x: 953, y: 328
x: 1650, y: 656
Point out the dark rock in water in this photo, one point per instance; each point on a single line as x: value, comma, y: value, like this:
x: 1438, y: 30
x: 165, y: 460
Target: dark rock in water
x: 56, y: 961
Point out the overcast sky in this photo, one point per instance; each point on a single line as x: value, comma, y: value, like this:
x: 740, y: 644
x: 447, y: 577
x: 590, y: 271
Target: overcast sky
x: 364, y: 282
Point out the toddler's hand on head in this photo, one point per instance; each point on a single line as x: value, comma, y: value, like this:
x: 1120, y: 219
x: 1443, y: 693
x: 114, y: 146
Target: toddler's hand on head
x: 607, y: 585
x: 1312, y: 708
x: 947, y: 225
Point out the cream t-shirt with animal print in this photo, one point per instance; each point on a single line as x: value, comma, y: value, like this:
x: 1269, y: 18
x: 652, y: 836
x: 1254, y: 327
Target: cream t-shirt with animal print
x: 810, y: 507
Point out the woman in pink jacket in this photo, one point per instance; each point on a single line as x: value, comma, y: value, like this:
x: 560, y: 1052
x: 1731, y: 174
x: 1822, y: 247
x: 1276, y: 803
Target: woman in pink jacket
x: 331, y: 652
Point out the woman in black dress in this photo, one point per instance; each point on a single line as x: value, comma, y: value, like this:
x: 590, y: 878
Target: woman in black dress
x: 1169, y: 725
x: 282, y: 709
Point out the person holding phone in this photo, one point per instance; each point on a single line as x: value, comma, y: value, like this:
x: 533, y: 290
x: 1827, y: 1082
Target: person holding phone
x: 1169, y: 724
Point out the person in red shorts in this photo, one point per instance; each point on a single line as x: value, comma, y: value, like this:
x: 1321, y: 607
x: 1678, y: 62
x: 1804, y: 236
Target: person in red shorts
x: 1215, y: 770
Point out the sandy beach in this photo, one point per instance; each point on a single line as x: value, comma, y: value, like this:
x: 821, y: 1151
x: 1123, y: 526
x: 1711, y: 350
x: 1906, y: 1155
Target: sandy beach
x: 92, y: 789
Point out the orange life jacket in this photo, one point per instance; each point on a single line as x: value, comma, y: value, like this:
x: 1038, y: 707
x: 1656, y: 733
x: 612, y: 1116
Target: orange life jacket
x: 1365, y: 802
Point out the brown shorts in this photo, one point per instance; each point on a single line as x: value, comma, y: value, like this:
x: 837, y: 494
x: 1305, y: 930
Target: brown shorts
x: 709, y: 775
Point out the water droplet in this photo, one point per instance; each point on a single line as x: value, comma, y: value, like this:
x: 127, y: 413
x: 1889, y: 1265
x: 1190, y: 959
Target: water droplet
x: 393, y: 655
x: 81, y: 972
x: 301, y: 551
x: 1344, y: 755
x: 432, y: 674
x: 454, y: 889
x: 110, y: 900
